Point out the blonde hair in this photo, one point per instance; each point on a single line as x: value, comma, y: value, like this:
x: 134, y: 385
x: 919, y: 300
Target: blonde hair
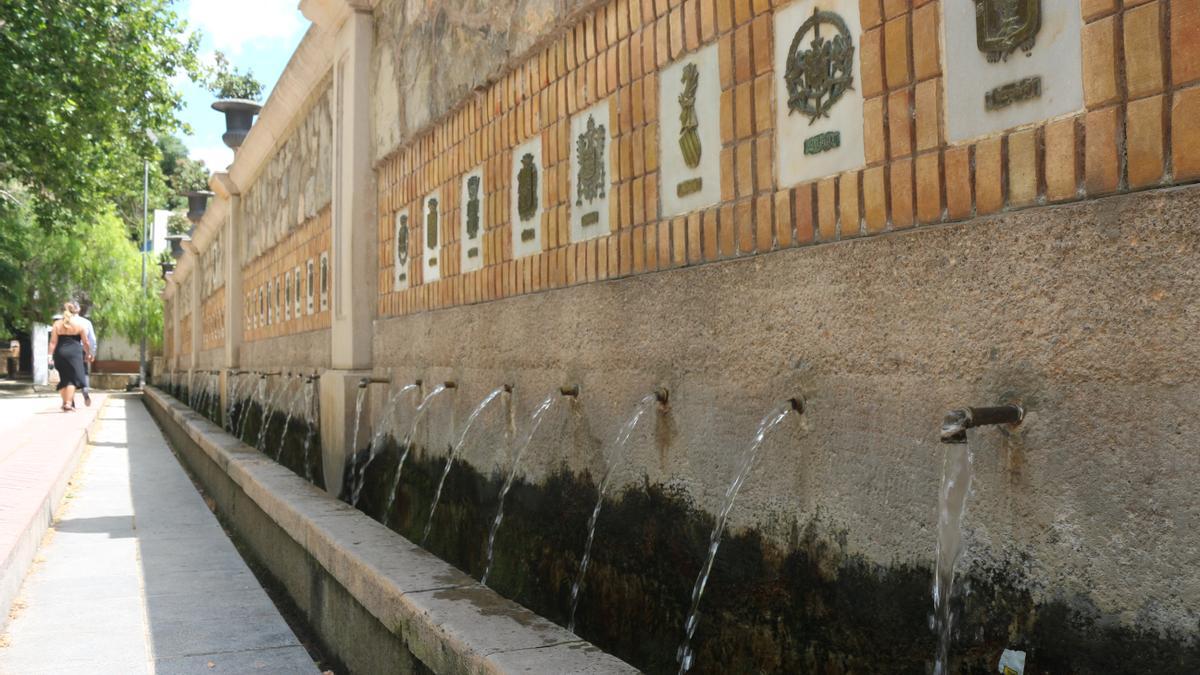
x: 68, y: 313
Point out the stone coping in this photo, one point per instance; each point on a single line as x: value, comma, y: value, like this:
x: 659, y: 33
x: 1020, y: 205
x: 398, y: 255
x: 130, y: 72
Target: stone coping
x: 447, y: 619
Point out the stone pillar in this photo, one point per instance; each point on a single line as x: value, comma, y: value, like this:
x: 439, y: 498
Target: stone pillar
x: 192, y: 287
x: 231, y: 270
x: 353, y: 239
x: 174, y: 326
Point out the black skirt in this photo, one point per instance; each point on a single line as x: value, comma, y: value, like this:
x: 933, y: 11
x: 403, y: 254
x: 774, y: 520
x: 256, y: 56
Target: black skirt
x: 68, y: 360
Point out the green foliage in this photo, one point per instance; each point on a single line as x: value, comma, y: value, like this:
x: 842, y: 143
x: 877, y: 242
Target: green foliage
x: 81, y: 84
x: 92, y: 260
x: 177, y: 224
x: 225, y: 81
x: 189, y: 175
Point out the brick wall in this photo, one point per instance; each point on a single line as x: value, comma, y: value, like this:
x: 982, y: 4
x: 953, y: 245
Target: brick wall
x: 266, y: 317
x: 168, y: 329
x: 1141, y: 63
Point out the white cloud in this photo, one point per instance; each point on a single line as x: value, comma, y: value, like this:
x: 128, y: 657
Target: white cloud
x: 230, y: 24
x: 215, y: 157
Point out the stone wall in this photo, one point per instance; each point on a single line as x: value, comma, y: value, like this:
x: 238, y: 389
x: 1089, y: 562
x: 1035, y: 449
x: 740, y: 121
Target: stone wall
x: 294, y: 185
x: 1079, y: 312
x: 431, y: 54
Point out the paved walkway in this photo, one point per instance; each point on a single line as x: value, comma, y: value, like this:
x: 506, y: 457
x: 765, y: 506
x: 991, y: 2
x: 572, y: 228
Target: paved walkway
x: 137, y: 576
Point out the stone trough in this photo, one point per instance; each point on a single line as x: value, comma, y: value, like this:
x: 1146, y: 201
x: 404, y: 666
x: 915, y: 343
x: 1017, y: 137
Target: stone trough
x: 376, y: 601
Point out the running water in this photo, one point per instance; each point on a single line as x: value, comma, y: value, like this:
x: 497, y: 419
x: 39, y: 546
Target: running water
x: 406, y: 446
x: 244, y: 416
x: 357, y: 480
x: 260, y: 443
x: 358, y: 408
x: 534, y: 422
x: 437, y: 495
x: 684, y: 654
x: 957, y: 472
x: 310, y: 418
x: 287, y: 420
x: 236, y: 384
x: 610, y: 462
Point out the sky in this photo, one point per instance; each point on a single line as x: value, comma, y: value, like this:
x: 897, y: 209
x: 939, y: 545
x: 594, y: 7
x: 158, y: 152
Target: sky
x: 259, y: 35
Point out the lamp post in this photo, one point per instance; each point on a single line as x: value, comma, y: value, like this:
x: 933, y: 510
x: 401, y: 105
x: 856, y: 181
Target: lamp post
x: 145, y: 244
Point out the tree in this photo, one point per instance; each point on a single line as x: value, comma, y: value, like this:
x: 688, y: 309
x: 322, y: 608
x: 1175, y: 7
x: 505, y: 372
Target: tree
x: 81, y: 84
x: 91, y: 261
x: 85, y: 89
x: 225, y: 81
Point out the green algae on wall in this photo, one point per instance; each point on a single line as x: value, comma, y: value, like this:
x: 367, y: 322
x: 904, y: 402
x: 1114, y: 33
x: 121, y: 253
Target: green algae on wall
x: 809, y: 606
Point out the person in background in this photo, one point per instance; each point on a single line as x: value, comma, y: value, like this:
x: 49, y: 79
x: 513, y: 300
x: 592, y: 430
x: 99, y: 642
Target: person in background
x: 91, y: 339
x: 68, y: 348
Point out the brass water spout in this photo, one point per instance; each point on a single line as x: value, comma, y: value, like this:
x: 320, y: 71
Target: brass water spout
x: 797, y: 404
x: 367, y: 381
x: 507, y: 388
x: 663, y: 395
x: 449, y: 384
x: 956, y: 422
x: 572, y: 391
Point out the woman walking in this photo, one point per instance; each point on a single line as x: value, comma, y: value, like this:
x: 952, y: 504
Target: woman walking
x: 68, y: 346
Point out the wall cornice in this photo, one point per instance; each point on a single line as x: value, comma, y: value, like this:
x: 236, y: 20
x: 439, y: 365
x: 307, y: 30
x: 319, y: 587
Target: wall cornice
x: 310, y: 62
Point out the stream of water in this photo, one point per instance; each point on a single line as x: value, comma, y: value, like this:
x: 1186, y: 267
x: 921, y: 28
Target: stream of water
x: 406, y: 447
x: 358, y: 410
x: 534, y: 422
x: 260, y: 443
x: 749, y: 455
x: 958, y: 468
x: 437, y: 495
x: 312, y: 428
x: 385, y: 424
x: 611, y: 461
x: 287, y: 420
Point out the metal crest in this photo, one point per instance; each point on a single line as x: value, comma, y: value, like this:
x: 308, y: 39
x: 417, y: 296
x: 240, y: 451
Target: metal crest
x: 590, y: 148
x: 402, y: 241
x: 820, y: 71
x: 473, y: 207
x: 689, y: 136
x: 431, y: 225
x: 1003, y: 26
x: 527, y: 185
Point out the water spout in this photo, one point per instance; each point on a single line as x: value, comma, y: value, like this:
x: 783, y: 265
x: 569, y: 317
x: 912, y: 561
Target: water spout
x: 572, y: 391
x: 749, y: 455
x: 958, y: 468
x: 956, y: 422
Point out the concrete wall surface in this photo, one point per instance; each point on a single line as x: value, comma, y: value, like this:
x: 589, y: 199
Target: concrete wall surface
x: 1083, y: 313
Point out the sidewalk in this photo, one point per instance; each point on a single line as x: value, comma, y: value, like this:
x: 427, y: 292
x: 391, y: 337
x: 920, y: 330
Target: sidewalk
x: 39, y: 448
x: 137, y: 576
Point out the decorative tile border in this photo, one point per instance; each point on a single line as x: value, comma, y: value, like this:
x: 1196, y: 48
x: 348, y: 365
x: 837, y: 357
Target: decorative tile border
x: 282, y: 296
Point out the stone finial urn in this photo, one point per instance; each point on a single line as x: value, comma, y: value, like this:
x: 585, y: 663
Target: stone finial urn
x: 177, y: 244
x: 239, y: 117
x: 197, y: 204
x: 168, y: 266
